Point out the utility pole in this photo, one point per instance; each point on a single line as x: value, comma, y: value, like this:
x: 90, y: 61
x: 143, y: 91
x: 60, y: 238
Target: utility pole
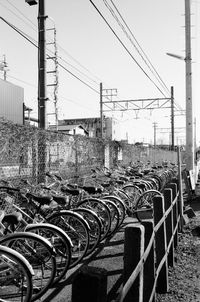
x: 41, y: 87
x: 189, y: 109
x: 101, y: 110
x: 4, y: 70
x: 172, y: 117
x: 42, y: 65
x: 108, y: 93
x: 154, y: 127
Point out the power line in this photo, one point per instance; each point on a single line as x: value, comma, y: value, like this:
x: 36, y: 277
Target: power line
x: 33, y: 43
x: 25, y: 17
x: 9, y: 76
x: 34, y: 27
x: 125, y: 46
x: 151, y: 67
x: 57, y: 44
x: 118, y: 21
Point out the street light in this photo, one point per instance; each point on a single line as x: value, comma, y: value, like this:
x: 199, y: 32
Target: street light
x: 175, y: 56
x: 31, y: 2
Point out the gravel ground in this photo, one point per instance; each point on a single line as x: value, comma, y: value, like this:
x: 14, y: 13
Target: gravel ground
x: 184, y: 278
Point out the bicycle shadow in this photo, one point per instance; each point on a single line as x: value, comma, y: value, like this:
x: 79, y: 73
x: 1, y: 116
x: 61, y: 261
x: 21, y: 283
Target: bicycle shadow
x: 109, y: 256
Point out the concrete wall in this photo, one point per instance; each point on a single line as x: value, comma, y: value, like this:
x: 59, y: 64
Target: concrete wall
x: 71, y: 156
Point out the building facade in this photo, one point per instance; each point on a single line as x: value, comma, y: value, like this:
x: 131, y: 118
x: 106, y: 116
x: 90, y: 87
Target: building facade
x: 11, y: 102
x: 90, y: 126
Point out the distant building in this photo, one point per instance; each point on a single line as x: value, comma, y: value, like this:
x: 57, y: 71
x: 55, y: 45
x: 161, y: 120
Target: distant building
x: 70, y: 129
x: 11, y: 102
x: 89, y: 126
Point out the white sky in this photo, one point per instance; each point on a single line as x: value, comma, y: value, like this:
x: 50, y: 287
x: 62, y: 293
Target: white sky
x: 85, y: 40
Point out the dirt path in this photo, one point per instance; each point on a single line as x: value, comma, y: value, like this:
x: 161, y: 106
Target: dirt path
x: 184, y: 278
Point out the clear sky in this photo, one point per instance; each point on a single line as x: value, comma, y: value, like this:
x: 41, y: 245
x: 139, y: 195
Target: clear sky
x: 89, y: 49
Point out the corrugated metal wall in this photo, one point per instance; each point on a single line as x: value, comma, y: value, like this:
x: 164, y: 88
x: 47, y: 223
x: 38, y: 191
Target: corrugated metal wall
x: 11, y: 102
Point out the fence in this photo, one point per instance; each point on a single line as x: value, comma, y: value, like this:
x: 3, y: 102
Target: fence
x: 149, y: 249
x: 29, y: 151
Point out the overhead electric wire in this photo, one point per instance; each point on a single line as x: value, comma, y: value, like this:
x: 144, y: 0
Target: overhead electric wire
x: 31, y: 40
x: 24, y: 16
x: 62, y: 49
x: 124, y: 46
x: 134, y: 39
x: 130, y: 31
x: 12, y: 12
x: 75, y: 60
x: 34, y: 27
x: 141, y: 49
x: 12, y: 77
x: 33, y: 43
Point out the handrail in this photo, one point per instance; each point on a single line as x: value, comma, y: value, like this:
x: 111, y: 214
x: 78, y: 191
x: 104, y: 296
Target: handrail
x: 140, y: 265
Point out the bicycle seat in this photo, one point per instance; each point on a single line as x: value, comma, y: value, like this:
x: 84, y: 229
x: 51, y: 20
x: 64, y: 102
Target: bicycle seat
x: 90, y: 189
x: 120, y: 182
x: 105, y: 184
x: 74, y: 192
x: 61, y: 200
x: 40, y: 199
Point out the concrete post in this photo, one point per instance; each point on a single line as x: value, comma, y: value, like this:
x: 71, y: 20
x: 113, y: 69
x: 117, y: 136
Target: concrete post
x: 169, y: 225
x: 161, y: 245
x: 133, y: 250
x: 90, y: 284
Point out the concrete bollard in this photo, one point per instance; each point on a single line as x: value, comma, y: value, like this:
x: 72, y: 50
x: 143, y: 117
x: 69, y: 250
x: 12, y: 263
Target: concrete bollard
x: 169, y: 224
x: 90, y: 284
x: 149, y: 265
x: 133, y: 250
x: 161, y: 245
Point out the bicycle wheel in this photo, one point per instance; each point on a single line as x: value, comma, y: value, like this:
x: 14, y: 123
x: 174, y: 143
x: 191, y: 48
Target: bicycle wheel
x: 39, y: 253
x: 157, y: 180
x: 95, y: 227
x: 145, y: 203
x: 120, y: 205
x: 15, y: 276
x: 77, y: 228
x: 124, y: 197
x: 153, y: 183
x: 114, y: 215
x: 61, y: 243
x: 133, y: 191
x: 102, y: 210
x: 146, y: 198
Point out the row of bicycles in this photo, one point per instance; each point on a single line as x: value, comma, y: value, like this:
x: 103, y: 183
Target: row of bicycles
x: 52, y: 227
